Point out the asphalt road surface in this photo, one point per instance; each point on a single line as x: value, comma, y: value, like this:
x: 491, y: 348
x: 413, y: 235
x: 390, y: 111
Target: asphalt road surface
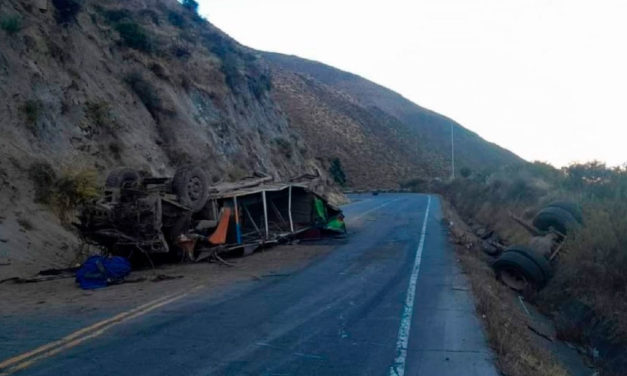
x: 390, y: 299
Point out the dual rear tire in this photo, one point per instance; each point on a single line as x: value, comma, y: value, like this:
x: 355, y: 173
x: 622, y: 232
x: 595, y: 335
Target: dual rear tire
x: 522, y: 269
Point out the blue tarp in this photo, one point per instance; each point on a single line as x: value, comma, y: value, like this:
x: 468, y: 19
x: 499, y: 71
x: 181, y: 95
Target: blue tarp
x: 100, y: 271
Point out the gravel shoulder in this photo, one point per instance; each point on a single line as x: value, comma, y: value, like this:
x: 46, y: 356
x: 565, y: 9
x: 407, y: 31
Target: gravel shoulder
x: 64, y: 294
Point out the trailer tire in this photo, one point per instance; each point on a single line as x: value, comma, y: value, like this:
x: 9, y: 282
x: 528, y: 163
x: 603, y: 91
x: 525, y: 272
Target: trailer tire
x: 534, y: 256
x: 122, y: 177
x: 555, y: 217
x: 518, y: 272
x: 190, y: 184
x: 569, y: 206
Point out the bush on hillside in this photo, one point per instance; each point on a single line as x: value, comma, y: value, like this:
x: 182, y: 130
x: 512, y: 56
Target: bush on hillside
x: 65, y: 193
x: 67, y: 10
x: 465, y: 172
x: 11, y: 24
x: 284, y: 147
x: 43, y: 177
x: 176, y: 19
x: 337, y: 172
x: 99, y: 113
x: 31, y: 110
x: 191, y: 5
x: 133, y: 35
x: 72, y: 190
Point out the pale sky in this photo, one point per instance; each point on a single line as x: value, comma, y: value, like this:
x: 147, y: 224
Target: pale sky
x: 546, y: 79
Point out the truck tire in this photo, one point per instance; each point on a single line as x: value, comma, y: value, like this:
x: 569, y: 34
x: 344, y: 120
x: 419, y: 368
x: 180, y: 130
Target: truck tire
x: 122, y: 177
x: 571, y: 207
x: 518, y: 272
x: 190, y: 184
x: 534, y: 256
x: 557, y: 218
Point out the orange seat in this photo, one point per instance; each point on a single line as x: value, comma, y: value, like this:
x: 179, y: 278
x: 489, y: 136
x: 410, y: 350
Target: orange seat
x: 219, y: 235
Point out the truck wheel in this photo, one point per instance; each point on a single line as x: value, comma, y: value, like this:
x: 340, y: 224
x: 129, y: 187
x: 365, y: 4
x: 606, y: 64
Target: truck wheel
x: 190, y: 184
x: 518, y: 272
x: 122, y: 177
x: 554, y: 217
x: 534, y: 256
x: 570, y: 207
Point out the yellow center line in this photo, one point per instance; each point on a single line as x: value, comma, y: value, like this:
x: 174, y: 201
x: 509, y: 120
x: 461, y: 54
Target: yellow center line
x: 19, y: 362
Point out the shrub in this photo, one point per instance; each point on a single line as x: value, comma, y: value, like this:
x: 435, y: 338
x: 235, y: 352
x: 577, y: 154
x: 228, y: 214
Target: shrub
x: 31, y: 109
x: 465, y: 172
x: 43, y: 177
x: 134, y: 36
x: 117, y: 15
x: 180, y: 52
x: 191, y: 5
x: 115, y: 149
x: 11, y: 24
x: 74, y: 189
x: 145, y: 91
x: 65, y: 193
x: 176, y: 19
x: 25, y: 223
x: 99, y: 113
x: 259, y: 85
x: 337, y: 172
x: 66, y: 10
x: 284, y: 147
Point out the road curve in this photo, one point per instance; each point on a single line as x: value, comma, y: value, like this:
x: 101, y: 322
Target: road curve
x: 388, y: 300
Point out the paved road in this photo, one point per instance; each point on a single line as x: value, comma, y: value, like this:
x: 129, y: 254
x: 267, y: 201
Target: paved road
x: 390, y: 299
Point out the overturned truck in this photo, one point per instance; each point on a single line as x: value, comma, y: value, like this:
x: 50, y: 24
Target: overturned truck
x: 184, y: 217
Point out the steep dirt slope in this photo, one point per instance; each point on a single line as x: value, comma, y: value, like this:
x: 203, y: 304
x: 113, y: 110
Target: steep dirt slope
x: 417, y: 140
x: 145, y: 83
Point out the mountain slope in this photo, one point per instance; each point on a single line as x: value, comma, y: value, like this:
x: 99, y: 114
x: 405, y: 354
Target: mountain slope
x: 406, y: 141
x: 87, y: 86
x: 142, y: 83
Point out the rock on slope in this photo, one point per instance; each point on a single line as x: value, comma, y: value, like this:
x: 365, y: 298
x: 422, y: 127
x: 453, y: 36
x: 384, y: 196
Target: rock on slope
x: 377, y: 134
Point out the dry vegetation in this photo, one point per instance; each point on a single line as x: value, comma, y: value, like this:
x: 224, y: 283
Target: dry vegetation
x: 65, y: 193
x: 518, y: 352
x: 591, y: 268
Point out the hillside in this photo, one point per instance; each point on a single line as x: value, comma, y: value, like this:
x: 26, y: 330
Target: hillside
x: 377, y: 133
x: 87, y: 86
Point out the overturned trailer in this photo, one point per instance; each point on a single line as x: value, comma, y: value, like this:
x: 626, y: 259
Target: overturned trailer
x: 185, y: 218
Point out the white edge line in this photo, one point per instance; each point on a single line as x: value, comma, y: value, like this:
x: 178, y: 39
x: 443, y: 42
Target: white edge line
x: 398, y: 368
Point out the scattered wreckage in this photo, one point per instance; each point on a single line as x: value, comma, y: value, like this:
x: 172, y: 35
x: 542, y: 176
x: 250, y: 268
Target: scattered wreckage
x: 184, y: 217
x: 527, y: 268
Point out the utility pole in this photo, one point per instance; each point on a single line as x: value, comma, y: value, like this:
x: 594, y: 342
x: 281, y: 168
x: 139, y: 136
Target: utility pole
x: 452, y: 154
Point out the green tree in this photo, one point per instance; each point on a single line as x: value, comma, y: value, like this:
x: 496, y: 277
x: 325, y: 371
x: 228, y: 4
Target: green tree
x: 337, y: 172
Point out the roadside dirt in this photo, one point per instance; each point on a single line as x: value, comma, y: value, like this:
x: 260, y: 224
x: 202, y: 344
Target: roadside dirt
x: 48, y: 295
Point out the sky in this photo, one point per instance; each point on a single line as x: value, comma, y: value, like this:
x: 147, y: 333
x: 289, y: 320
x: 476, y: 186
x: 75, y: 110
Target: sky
x: 546, y: 79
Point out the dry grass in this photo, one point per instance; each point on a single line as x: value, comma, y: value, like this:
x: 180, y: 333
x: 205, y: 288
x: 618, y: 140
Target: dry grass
x: 591, y: 267
x: 518, y: 353
x: 594, y: 264
x: 65, y: 193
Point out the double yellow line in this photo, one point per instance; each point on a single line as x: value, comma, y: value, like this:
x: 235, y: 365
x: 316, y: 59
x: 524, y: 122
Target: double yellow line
x: 19, y: 362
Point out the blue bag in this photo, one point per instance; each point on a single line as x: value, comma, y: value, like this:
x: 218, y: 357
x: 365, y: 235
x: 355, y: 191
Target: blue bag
x: 100, y: 271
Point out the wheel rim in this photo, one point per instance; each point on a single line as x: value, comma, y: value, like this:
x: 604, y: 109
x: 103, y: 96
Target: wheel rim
x: 194, y: 188
x: 514, y: 279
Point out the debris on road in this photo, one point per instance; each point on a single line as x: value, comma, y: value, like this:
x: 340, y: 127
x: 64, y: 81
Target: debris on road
x: 101, y: 271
